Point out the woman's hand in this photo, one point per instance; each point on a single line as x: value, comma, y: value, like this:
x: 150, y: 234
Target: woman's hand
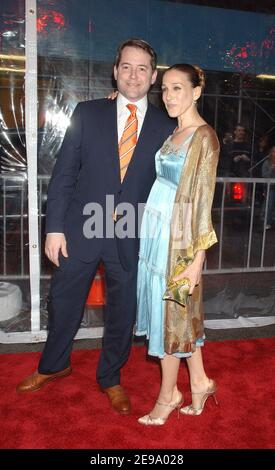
x: 113, y: 95
x: 193, y: 271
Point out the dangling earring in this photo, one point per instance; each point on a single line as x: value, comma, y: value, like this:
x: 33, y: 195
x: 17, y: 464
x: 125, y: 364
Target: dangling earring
x: 195, y: 101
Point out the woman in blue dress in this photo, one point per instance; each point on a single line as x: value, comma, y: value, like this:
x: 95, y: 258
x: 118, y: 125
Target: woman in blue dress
x: 186, y: 168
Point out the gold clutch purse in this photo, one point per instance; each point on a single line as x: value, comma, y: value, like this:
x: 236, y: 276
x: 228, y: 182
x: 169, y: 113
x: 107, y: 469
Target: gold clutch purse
x: 178, y: 291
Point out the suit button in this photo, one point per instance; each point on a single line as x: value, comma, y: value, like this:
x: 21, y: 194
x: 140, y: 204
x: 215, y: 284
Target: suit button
x: 119, y: 192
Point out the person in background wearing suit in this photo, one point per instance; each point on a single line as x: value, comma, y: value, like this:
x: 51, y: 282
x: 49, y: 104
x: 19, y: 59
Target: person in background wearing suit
x: 106, y: 162
x: 240, y: 152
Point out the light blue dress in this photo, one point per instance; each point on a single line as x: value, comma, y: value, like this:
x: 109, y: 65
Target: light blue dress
x: 154, y: 242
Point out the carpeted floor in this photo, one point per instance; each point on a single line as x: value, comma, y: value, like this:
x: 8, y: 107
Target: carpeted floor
x: 73, y: 413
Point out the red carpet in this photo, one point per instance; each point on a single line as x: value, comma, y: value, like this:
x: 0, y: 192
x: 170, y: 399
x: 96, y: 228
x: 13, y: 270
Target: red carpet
x: 73, y: 413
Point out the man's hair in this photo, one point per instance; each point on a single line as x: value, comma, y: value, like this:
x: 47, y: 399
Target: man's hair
x: 140, y: 44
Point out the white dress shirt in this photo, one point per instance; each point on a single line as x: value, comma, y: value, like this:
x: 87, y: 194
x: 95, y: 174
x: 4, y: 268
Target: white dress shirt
x: 123, y: 113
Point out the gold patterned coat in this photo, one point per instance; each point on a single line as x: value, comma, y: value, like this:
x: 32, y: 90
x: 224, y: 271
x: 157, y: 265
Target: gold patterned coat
x: 191, y: 230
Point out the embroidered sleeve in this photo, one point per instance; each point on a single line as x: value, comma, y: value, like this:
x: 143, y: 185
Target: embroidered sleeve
x: 203, y: 233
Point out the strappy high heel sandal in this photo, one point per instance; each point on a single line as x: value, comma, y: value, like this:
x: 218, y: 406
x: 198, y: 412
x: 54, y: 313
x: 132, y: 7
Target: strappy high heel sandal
x: 210, y: 392
x: 147, y: 420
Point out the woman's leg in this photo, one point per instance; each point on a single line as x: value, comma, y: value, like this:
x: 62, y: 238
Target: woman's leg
x: 169, y: 393
x: 199, y: 381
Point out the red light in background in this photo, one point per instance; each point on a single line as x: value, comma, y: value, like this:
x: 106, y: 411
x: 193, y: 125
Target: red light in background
x: 243, y: 53
x: 50, y: 19
x: 238, y: 191
x: 241, y: 56
x: 58, y: 18
x: 267, y: 44
x: 41, y: 23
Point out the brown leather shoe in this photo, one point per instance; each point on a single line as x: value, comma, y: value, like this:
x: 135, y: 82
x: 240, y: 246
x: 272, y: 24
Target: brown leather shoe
x: 36, y: 380
x: 118, y: 399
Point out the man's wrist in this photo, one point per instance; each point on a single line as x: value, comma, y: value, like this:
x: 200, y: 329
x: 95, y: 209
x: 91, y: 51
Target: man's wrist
x: 55, y: 233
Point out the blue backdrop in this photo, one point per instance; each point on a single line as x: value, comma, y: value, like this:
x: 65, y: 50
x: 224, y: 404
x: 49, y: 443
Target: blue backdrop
x: 214, y: 38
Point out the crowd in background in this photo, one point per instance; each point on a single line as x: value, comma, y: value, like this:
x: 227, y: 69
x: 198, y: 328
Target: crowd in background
x: 236, y: 157
x: 237, y: 160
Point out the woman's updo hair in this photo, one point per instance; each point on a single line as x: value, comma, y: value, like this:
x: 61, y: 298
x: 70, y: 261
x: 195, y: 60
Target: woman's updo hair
x: 195, y: 73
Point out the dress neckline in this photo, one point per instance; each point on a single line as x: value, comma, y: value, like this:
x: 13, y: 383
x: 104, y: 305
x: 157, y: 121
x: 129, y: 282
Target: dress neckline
x: 171, y: 147
x: 181, y: 144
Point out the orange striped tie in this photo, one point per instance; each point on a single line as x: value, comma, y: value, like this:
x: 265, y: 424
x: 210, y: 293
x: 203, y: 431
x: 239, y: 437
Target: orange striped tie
x: 128, y: 140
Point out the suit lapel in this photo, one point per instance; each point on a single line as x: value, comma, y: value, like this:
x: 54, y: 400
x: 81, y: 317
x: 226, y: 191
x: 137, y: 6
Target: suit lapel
x: 110, y: 137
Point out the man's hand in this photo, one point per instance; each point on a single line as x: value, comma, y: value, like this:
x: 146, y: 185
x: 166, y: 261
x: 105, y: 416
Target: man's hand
x: 241, y: 157
x: 245, y: 157
x: 112, y: 96
x: 54, y: 243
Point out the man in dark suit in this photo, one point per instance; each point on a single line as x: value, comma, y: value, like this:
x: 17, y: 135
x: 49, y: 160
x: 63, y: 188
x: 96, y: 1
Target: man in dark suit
x: 92, y: 217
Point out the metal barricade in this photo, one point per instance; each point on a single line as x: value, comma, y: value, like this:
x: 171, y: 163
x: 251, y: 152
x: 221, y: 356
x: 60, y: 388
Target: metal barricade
x: 251, y: 212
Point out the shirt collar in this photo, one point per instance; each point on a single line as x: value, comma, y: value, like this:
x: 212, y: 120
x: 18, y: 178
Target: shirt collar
x: 141, y: 104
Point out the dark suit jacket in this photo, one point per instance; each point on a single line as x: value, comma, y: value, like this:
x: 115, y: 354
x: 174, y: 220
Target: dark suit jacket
x: 87, y: 170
